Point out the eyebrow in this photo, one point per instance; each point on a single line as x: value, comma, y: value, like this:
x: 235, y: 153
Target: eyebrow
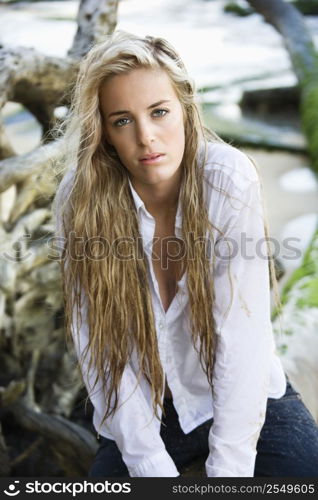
x: 115, y: 113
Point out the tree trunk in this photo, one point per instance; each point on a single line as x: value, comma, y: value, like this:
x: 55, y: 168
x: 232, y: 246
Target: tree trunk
x: 93, y: 17
x: 291, y: 25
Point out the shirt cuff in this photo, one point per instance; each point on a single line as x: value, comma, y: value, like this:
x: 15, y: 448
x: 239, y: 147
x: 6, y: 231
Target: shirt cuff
x: 159, y: 465
x: 239, y: 469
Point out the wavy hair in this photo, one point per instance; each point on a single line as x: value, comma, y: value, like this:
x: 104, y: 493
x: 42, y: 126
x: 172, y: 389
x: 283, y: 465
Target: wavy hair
x: 100, y: 206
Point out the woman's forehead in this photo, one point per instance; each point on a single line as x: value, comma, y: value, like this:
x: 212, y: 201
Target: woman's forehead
x: 143, y: 85
x: 139, y: 77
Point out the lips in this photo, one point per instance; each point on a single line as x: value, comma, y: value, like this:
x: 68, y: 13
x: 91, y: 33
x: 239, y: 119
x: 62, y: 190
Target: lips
x: 151, y: 156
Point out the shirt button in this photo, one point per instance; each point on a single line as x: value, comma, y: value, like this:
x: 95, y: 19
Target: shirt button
x: 161, y: 325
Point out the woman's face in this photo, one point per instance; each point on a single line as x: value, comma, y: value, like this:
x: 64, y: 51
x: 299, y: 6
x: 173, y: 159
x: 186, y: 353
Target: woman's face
x: 143, y: 115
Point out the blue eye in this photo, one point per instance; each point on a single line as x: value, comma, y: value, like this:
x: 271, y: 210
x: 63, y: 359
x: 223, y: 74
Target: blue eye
x: 157, y: 113
x: 164, y: 111
x: 119, y: 123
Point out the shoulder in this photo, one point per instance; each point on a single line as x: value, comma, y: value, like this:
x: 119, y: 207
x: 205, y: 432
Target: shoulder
x: 228, y: 167
x: 231, y: 183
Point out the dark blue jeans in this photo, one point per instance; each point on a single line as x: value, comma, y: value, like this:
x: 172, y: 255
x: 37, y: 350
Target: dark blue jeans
x: 287, y: 446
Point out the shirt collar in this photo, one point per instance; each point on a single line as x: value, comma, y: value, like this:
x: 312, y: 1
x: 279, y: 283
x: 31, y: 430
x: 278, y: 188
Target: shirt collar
x: 139, y: 204
x: 138, y: 201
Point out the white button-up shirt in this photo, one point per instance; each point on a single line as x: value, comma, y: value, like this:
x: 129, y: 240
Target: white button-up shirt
x: 247, y: 369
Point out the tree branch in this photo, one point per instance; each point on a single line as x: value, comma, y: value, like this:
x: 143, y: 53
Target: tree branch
x: 20, y: 168
x: 96, y: 18
x: 74, y: 445
x: 38, y: 82
x: 289, y: 22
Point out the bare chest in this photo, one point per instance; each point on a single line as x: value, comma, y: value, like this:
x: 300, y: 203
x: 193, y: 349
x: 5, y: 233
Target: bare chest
x: 167, y: 261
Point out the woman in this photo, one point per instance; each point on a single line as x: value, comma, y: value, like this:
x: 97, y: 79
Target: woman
x: 170, y: 302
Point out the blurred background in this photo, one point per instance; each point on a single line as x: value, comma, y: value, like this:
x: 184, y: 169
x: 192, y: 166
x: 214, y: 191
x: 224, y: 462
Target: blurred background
x: 250, y: 96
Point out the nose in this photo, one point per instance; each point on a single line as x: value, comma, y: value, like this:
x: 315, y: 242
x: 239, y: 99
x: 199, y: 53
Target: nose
x: 144, y: 132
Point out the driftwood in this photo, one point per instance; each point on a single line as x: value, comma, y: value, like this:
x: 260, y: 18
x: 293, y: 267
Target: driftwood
x: 4, y: 456
x: 40, y: 387
x: 288, y: 21
x: 291, y: 25
x: 95, y: 20
x: 6, y: 150
x: 72, y: 445
x: 38, y: 82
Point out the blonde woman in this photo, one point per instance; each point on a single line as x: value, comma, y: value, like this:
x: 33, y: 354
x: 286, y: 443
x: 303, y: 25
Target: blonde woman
x: 166, y: 280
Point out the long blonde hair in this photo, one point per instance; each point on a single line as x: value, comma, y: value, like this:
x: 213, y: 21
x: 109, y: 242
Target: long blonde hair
x: 100, y: 206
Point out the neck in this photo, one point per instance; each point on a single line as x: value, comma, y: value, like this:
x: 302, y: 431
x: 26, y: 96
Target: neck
x: 161, y: 200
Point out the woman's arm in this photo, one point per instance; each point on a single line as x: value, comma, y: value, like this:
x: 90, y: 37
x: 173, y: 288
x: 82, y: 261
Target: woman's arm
x: 133, y: 426
x: 242, y: 365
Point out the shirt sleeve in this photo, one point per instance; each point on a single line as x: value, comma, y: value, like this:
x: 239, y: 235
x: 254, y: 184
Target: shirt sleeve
x: 133, y: 424
x: 244, y: 338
